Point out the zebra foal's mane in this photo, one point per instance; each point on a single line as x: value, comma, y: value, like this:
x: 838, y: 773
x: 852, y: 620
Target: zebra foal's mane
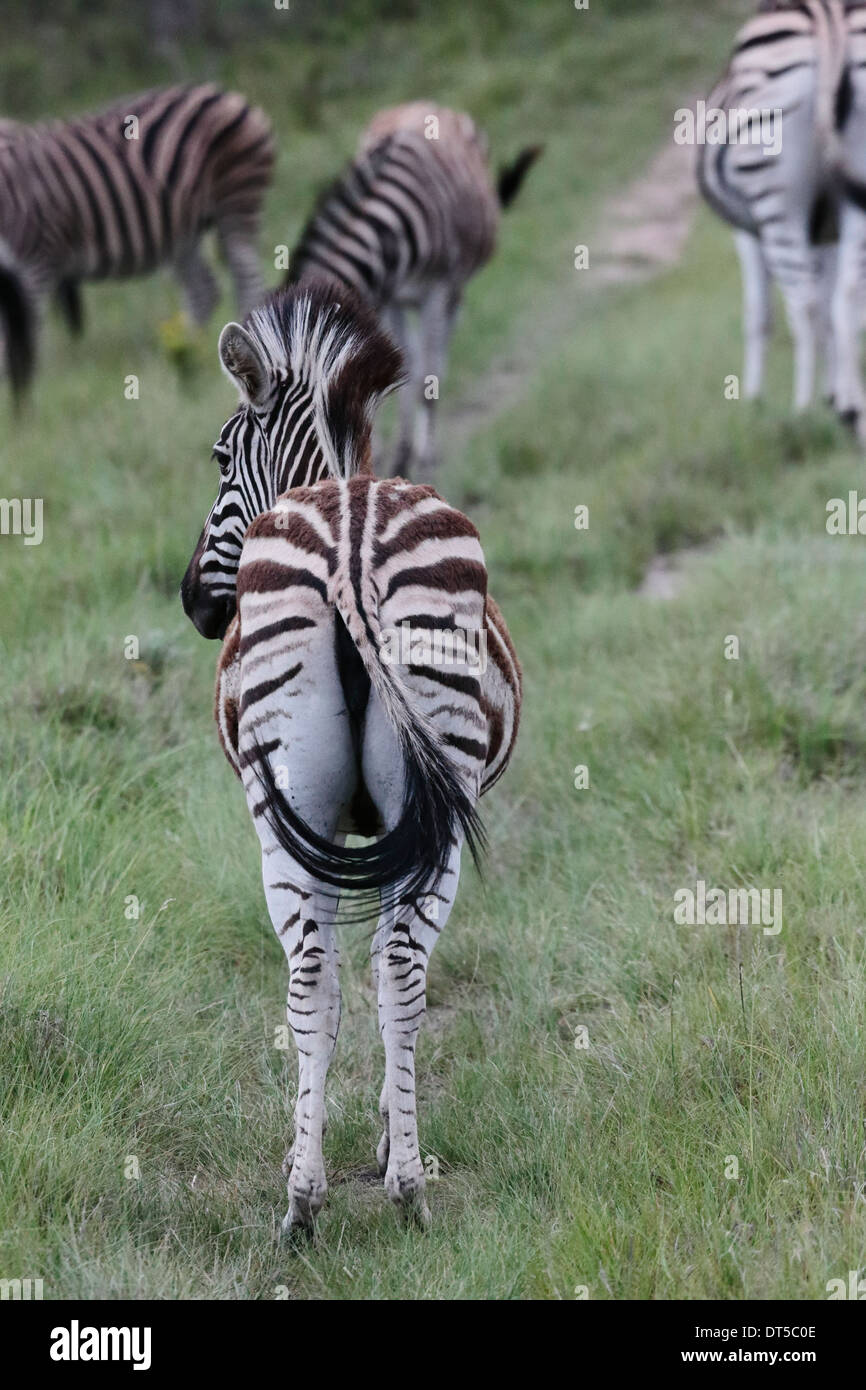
x: 321, y: 335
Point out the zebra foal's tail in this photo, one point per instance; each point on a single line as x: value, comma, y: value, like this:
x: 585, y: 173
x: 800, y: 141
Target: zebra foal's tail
x: 437, y: 805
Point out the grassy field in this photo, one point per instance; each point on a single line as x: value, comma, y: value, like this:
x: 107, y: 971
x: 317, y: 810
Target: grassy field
x: 589, y: 1068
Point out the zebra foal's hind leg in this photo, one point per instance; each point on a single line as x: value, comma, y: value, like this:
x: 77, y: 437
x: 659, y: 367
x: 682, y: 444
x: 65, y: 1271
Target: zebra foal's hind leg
x: 198, y: 282
x: 303, y: 917
x: 406, y: 934
x: 288, y: 1161
x: 293, y: 706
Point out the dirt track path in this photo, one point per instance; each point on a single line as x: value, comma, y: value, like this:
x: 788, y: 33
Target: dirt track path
x: 641, y: 232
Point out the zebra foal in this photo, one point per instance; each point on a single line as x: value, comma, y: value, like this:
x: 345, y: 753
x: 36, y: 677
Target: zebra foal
x: 799, y: 212
x: 333, y: 592
x: 414, y: 216
x: 121, y: 192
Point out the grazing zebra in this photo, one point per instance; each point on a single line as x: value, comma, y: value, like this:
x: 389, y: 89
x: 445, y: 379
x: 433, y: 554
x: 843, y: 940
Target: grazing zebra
x: 119, y: 193
x: 406, y: 225
x: 799, y: 211
x: 337, y: 594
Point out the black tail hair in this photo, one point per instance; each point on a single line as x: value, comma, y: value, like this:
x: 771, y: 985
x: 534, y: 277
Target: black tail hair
x: 18, y: 318
x: 409, y: 858
x: 69, y: 303
x: 511, y: 176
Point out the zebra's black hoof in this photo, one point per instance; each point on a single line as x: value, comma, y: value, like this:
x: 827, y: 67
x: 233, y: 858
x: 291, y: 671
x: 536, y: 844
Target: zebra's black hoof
x: 850, y: 419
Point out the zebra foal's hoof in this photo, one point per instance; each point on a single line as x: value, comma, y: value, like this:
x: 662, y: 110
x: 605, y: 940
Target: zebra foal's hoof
x: 299, y: 1220
x: 408, y: 1194
x: 383, y: 1151
x: 306, y: 1199
x: 293, y: 1232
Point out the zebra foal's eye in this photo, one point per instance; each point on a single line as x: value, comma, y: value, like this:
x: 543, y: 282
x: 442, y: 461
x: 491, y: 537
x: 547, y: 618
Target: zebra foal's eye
x: 222, y: 459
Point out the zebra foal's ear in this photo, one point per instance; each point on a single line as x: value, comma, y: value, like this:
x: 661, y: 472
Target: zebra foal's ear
x: 243, y: 362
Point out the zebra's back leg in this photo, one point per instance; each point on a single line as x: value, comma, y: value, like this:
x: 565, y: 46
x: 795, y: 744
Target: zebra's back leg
x: 757, y: 311
x: 407, y: 335
x: 407, y: 931
x: 303, y: 915
x: 198, y: 283
x: 22, y: 300
x: 826, y: 261
x: 69, y: 302
x: 237, y: 241
x: 791, y: 262
x: 438, y: 313
x: 293, y: 712
x: 405, y: 936
x: 846, y: 310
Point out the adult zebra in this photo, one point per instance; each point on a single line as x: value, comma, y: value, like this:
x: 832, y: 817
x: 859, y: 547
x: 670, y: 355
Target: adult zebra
x: 406, y: 225
x: 806, y: 61
x: 118, y: 193
x: 331, y: 725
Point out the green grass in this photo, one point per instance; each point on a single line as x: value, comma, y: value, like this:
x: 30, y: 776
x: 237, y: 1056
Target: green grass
x: 153, y: 1038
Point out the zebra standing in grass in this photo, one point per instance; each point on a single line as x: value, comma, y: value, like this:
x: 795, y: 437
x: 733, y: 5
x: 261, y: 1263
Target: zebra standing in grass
x: 317, y: 575
x: 119, y: 193
x: 406, y: 225
x: 799, y: 210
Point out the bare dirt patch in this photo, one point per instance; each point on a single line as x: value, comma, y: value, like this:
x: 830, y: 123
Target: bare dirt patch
x: 667, y: 575
x: 646, y: 228
x: 641, y: 232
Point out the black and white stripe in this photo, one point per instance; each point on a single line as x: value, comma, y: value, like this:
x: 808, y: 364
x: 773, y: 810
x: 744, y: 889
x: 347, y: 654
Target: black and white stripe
x: 799, y: 211
x: 406, y: 225
x: 136, y: 186
x: 332, y: 730
x: 297, y: 363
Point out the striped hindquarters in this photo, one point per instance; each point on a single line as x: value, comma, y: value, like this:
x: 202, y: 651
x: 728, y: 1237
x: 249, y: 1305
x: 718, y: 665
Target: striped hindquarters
x: 406, y: 573
x: 120, y: 192
x: 502, y: 694
x: 783, y: 82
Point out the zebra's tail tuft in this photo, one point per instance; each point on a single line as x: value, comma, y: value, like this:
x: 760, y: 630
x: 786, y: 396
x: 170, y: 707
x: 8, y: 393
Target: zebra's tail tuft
x: 70, y: 304
x: 437, y: 803
x: 18, y: 318
x: 511, y: 176
x: 409, y: 858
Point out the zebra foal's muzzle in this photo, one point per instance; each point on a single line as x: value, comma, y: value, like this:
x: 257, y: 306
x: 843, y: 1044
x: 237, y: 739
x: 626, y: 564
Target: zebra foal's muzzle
x: 209, y: 613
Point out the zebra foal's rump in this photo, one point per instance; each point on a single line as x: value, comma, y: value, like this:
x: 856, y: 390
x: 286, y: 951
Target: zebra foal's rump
x: 398, y: 570
x: 133, y: 187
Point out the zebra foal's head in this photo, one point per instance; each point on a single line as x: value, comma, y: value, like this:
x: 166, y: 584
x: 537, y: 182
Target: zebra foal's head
x: 310, y: 366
